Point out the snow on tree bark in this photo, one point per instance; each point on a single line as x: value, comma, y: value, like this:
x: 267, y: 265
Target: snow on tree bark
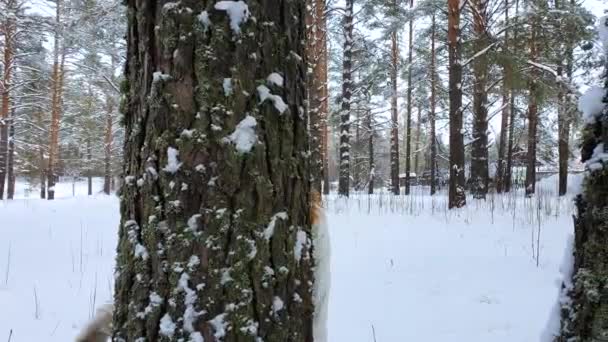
x: 457, y: 196
x: 504, y: 122
x: 316, y: 55
x: 585, y: 307
x: 432, y: 115
x: 57, y: 91
x: 394, y: 152
x: 408, y: 120
x: 344, y: 179
x: 7, y: 28
x: 532, y: 108
x: 217, y: 186
x: 508, y: 177
x: 479, y: 151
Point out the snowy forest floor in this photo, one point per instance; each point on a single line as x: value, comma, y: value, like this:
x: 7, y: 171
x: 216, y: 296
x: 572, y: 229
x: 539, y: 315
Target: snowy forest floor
x: 402, y: 268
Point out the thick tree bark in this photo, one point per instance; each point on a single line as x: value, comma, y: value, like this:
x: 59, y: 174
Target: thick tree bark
x: 394, y: 115
x: 457, y: 196
x: 585, y: 313
x: 432, y: 116
x: 321, y: 75
x: 215, y: 235
x: 108, y: 141
x: 344, y: 179
x: 314, y: 92
x: 479, y: 149
x: 8, y: 30
x: 532, y: 110
x: 408, y: 121
x: 504, y: 122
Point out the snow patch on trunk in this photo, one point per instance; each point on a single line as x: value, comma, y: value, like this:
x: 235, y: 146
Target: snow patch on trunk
x: 244, y: 137
x: 172, y: 163
x: 238, y: 11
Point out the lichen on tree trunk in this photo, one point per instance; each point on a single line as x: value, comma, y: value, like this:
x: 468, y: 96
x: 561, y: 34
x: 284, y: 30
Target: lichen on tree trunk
x: 215, y: 236
x: 585, y: 310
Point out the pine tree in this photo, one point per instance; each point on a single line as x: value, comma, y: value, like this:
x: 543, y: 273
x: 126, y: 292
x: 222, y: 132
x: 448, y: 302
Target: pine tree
x: 58, y: 77
x: 345, y: 113
x: 457, y: 196
x: 408, y: 119
x: 217, y: 181
x: 504, y: 122
x: 479, y: 153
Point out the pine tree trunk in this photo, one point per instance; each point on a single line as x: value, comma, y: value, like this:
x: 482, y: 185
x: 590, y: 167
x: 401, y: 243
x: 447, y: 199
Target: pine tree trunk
x: 41, y: 165
x: 394, y: 115
x: 216, y: 196
x: 417, y: 141
x: 565, y: 114
x: 479, y: 148
x: 585, y: 313
x: 509, y: 168
x: 321, y: 75
x: 457, y: 196
x: 508, y: 178
x: 8, y: 29
x: 314, y: 94
x: 532, y: 112
x: 108, y: 141
x: 356, y: 155
x: 370, y: 153
x: 42, y: 174
x: 57, y: 84
x: 90, y: 170
x: 504, y: 122
x: 408, y: 124
x: 432, y: 117
x: 10, y: 190
x: 563, y: 132
x: 344, y: 179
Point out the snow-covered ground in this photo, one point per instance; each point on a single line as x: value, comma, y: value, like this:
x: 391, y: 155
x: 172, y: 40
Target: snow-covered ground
x: 402, y: 269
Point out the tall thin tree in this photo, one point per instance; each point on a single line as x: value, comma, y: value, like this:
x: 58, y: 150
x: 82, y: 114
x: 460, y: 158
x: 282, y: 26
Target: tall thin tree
x: 457, y: 196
